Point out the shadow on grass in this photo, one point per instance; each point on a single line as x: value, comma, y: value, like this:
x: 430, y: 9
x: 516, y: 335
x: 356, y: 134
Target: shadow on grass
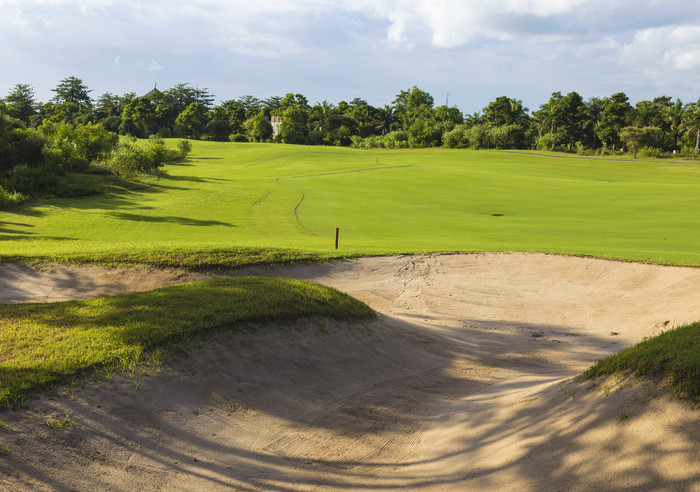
x: 170, y: 219
x: 192, y: 179
x: 27, y: 236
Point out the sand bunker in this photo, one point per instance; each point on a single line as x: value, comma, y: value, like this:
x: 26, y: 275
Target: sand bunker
x: 461, y: 384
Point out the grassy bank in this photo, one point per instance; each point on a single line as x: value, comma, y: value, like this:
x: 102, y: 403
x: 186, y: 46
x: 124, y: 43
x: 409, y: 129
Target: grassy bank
x: 674, y: 354
x: 43, y: 344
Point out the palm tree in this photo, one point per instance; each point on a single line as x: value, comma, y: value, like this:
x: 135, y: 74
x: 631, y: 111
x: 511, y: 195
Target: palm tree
x: 517, y: 113
x: 674, y: 116
x: 385, y: 119
x: 322, y: 116
x: 473, y: 119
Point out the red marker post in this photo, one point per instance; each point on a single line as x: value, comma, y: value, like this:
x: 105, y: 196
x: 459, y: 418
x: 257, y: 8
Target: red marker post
x: 337, y: 229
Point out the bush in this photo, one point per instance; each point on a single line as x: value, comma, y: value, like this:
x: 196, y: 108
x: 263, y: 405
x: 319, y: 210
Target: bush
x: 131, y: 159
x: 10, y: 198
x: 583, y: 150
x: 184, y: 147
x: 374, y: 142
x: 396, y: 140
x: 690, y: 152
x: 73, y: 148
x: 650, y: 152
x: 548, y: 141
x: 238, y: 137
x: 31, y: 180
x: 454, y: 138
x: 18, y: 144
x: 128, y: 161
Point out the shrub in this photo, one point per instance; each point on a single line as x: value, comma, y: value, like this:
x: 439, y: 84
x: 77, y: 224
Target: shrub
x: 27, y: 180
x: 238, y: 137
x: 396, y: 140
x: 185, y: 147
x: 131, y: 159
x: 128, y: 160
x: 374, y: 142
x: 73, y: 148
x: 548, y: 141
x: 650, y: 152
x: 18, y: 144
x: 454, y: 138
x: 10, y: 198
x: 690, y: 152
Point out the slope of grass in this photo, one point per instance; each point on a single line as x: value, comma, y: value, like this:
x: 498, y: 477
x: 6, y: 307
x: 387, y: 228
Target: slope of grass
x: 674, y: 354
x: 41, y: 344
x: 232, y: 201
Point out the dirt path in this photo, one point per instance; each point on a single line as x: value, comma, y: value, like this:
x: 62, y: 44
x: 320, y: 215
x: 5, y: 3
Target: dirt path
x: 461, y: 384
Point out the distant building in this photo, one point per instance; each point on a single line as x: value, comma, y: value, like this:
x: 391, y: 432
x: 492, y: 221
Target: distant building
x: 154, y: 94
x: 276, y: 122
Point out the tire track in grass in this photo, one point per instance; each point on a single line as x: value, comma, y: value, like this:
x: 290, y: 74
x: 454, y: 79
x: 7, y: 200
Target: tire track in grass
x: 258, y: 202
x: 296, y: 214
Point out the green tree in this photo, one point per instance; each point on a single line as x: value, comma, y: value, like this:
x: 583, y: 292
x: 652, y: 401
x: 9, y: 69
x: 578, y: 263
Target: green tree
x: 142, y: 114
x: 570, y: 116
x: 193, y: 118
x: 385, y: 119
x: 673, y: 114
x: 258, y: 127
x: 19, y: 145
x: 183, y: 95
x: 691, y: 121
x: 290, y: 100
x: 20, y: 102
x: 505, y: 111
x: 294, y: 126
x: 635, y: 137
x: 73, y: 90
x: 411, y: 105
x: 251, y: 105
x: 234, y: 113
x: 615, y: 116
x: 108, y: 104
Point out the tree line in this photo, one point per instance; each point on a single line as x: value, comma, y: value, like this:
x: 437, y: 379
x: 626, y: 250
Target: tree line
x: 565, y: 122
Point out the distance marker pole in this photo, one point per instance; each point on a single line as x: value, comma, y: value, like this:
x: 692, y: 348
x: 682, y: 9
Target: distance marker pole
x: 337, y: 229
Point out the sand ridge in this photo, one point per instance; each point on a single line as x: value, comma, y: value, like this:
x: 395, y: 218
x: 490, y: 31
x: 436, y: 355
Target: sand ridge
x: 462, y: 383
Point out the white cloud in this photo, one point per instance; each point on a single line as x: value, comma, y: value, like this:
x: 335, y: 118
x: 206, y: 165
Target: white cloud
x: 452, y: 23
x: 153, y: 65
x: 676, y: 48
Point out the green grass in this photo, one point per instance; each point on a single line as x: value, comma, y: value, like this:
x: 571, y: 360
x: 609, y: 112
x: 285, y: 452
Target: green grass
x: 230, y: 201
x: 42, y: 344
x: 674, y: 354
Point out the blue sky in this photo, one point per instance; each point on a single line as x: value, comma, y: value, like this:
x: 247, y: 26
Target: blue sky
x: 473, y: 50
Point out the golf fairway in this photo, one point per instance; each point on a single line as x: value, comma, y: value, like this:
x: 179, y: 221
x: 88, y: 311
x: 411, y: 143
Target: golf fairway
x: 237, y: 195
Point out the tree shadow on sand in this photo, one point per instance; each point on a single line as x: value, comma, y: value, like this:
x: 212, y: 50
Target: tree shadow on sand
x: 334, y: 406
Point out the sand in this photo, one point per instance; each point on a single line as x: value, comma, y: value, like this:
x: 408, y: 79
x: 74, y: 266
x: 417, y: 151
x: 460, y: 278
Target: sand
x: 464, y: 382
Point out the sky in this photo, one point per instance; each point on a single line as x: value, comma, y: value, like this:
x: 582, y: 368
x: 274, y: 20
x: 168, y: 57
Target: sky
x: 464, y: 53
